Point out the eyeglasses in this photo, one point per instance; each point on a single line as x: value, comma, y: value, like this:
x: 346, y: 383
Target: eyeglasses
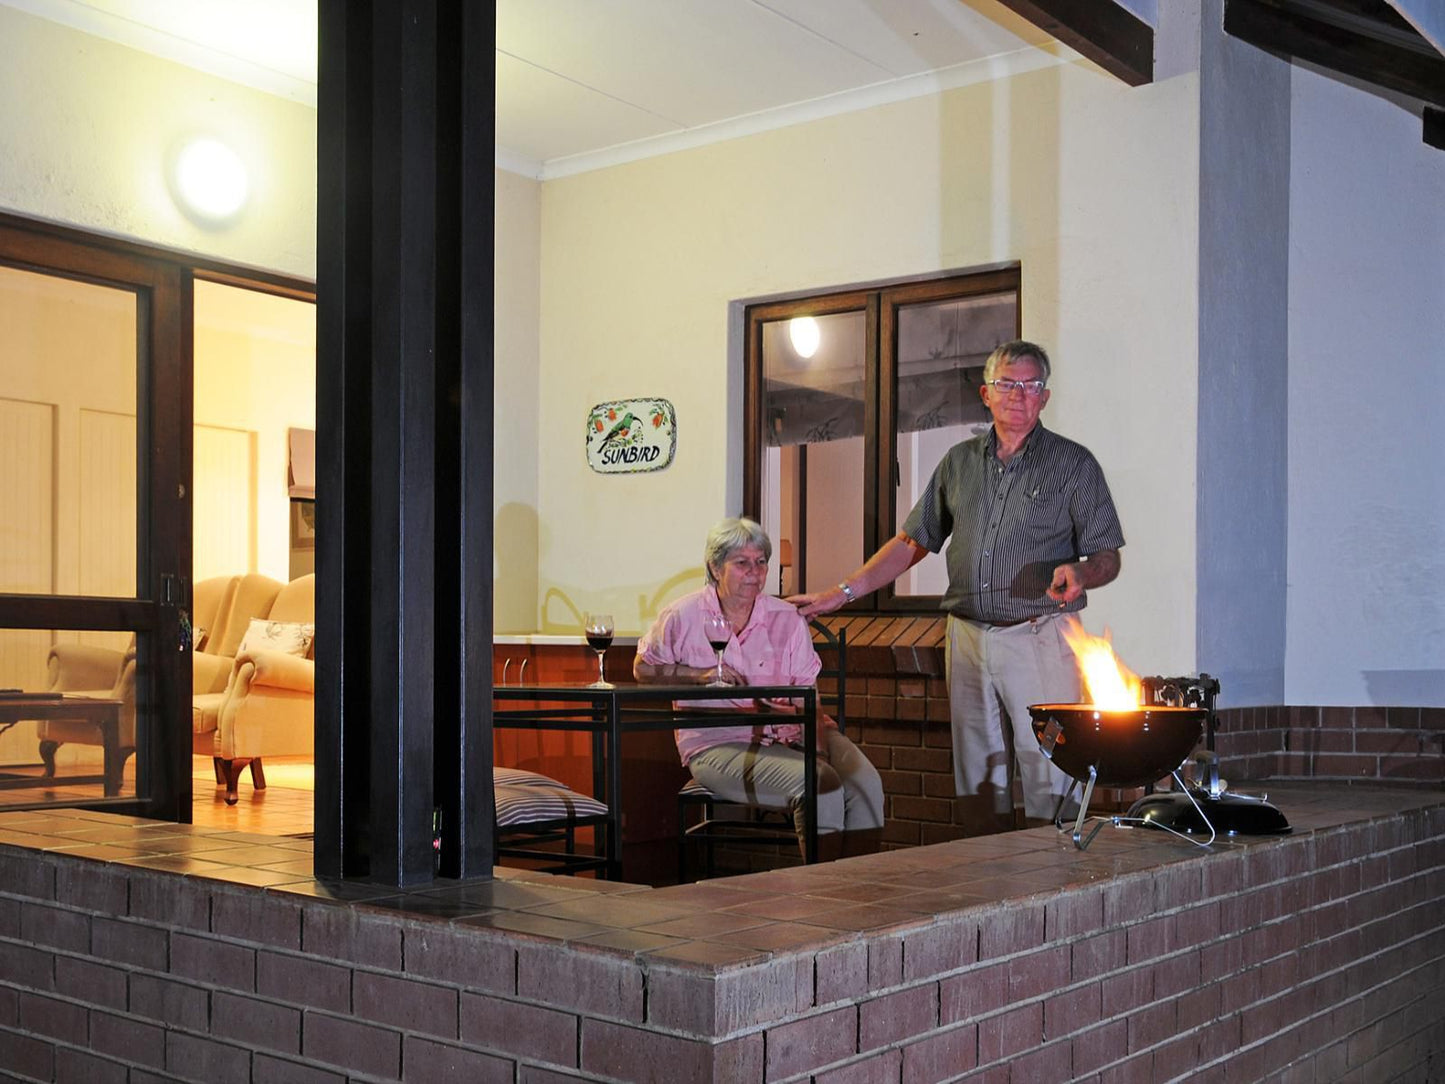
x: 1032, y: 388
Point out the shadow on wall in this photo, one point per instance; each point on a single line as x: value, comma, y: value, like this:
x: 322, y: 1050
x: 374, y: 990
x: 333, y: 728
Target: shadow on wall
x: 514, y: 568
x: 562, y: 616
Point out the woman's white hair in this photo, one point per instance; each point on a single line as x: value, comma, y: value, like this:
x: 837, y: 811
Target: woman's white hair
x: 727, y: 537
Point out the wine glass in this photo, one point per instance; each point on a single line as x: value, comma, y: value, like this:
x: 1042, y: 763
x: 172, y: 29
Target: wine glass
x: 719, y: 630
x: 599, y: 629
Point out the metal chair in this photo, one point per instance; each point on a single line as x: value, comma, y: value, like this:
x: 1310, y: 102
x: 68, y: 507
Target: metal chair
x: 758, y: 824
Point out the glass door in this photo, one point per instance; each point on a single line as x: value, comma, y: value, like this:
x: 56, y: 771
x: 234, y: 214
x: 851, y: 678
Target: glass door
x: 95, y: 403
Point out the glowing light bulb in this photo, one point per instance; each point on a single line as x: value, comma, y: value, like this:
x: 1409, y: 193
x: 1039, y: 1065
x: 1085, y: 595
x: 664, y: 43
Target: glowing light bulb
x: 211, y: 179
x: 805, y: 334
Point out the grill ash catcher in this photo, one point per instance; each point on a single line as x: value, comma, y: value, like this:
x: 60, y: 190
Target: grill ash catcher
x: 1136, y: 748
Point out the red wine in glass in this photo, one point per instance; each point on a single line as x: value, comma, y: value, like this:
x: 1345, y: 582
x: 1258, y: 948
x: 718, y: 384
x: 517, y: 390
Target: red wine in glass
x: 718, y: 630
x: 599, y: 630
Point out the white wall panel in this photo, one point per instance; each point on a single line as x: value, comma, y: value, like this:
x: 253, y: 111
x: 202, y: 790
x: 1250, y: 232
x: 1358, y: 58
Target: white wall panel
x: 224, y: 502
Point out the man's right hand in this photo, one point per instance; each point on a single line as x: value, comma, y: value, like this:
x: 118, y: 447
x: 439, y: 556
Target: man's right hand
x: 819, y: 602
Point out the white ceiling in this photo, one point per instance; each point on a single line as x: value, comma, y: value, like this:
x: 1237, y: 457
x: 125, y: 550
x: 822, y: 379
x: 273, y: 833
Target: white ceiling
x: 587, y: 83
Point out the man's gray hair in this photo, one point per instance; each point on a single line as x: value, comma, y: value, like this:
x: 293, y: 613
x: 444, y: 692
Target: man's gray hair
x: 730, y: 535
x: 1018, y: 350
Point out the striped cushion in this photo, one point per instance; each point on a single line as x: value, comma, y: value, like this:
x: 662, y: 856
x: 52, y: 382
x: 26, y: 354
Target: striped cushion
x: 530, y: 804
x: 520, y: 777
x: 693, y: 789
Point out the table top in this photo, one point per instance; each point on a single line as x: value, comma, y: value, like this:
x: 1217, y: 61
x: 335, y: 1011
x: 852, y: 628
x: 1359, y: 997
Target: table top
x: 564, y: 690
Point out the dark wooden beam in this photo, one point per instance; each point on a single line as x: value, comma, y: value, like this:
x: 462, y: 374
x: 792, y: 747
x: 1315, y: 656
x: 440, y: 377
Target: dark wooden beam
x: 1110, y: 35
x: 1435, y: 128
x: 1364, y: 39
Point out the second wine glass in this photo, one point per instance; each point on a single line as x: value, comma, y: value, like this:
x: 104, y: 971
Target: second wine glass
x: 719, y: 631
x: 599, y: 630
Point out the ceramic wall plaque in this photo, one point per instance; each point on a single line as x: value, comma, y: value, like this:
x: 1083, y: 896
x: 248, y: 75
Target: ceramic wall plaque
x: 631, y: 435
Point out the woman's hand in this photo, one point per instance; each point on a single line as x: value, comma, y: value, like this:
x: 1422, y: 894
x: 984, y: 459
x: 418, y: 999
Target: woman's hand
x: 729, y: 675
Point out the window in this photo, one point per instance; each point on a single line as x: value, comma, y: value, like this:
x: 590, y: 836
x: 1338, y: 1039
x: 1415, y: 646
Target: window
x: 851, y: 400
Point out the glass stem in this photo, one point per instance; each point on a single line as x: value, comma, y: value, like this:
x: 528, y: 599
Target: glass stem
x: 601, y: 666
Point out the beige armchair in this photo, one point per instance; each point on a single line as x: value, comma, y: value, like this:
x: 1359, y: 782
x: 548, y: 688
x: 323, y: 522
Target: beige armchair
x: 89, y: 671
x: 223, y: 606
x: 267, y: 708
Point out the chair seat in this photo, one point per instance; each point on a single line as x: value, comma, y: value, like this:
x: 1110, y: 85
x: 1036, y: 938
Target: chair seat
x: 521, y: 777
x: 533, y: 804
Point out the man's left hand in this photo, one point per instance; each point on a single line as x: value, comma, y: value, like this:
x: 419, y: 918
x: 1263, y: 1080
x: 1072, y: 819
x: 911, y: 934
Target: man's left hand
x: 1067, y: 585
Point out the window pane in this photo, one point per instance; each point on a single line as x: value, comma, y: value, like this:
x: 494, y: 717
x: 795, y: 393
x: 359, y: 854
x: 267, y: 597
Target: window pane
x: 942, y: 346
x: 67, y: 695
x: 813, y: 465
x: 67, y: 437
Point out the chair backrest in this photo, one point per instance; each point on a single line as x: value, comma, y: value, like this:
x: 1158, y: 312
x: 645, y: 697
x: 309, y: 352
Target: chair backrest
x: 253, y: 597
x: 210, y: 602
x: 297, y: 602
x: 835, y: 643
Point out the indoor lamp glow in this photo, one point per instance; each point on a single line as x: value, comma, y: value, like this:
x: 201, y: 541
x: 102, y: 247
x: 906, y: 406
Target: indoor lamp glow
x: 211, y: 179
x: 805, y: 334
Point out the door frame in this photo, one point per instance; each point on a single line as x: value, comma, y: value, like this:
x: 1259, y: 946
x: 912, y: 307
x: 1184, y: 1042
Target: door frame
x: 164, y: 284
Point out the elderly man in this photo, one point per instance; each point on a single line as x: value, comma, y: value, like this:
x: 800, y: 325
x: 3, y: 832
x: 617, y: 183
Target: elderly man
x: 1030, y: 526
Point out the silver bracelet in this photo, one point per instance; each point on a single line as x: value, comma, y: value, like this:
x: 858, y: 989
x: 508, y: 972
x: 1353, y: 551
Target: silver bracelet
x: 847, y: 591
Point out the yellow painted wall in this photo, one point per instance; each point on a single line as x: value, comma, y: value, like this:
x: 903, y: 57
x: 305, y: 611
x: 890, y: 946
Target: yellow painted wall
x: 1092, y: 186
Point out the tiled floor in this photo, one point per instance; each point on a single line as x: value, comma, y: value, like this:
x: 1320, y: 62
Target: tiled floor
x: 721, y: 922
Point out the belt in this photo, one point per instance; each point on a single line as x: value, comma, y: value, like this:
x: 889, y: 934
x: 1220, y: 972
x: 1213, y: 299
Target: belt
x: 1006, y: 624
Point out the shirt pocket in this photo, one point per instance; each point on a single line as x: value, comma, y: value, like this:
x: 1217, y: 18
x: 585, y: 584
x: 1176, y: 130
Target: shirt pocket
x: 1043, y: 506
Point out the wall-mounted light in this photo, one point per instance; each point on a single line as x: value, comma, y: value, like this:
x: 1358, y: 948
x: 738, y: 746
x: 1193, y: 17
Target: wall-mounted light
x: 805, y: 335
x: 210, y: 181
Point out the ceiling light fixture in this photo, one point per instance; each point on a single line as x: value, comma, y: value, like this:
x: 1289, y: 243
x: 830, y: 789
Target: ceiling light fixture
x: 210, y: 181
x: 805, y: 335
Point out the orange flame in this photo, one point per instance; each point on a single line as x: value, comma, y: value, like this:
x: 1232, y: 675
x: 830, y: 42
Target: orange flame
x: 1111, y: 685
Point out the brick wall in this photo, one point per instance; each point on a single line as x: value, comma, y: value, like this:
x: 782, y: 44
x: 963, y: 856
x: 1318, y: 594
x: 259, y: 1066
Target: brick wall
x: 1311, y: 958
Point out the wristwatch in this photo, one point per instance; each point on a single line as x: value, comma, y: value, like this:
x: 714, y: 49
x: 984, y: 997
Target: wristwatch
x: 847, y: 591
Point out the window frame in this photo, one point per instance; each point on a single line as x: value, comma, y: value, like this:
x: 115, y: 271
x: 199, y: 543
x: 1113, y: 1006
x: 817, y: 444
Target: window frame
x: 880, y: 304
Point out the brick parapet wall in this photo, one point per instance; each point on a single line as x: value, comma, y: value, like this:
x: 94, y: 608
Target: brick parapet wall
x: 898, y: 712
x: 1317, y: 957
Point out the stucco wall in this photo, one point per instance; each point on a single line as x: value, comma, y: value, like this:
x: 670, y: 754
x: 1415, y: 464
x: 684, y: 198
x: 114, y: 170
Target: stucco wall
x: 1090, y: 185
x: 89, y: 128
x: 1367, y: 396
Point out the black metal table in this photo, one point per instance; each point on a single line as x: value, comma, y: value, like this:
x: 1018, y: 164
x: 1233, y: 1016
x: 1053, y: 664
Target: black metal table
x: 611, y: 712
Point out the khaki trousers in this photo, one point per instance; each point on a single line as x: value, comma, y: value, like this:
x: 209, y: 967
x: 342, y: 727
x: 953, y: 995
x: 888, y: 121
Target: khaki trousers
x: 994, y: 674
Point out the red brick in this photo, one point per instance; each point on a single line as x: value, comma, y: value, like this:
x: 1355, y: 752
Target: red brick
x: 30, y: 1057
x: 1004, y: 931
x: 484, y: 962
x: 1052, y: 1062
x: 893, y: 1017
x: 513, y: 1027
x: 1149, y: 940
x: 882, y: 1068
x: 1073, y: 914
x: 805, y: 1044
x: 1128, y: 899
x: 266, y: 1069
x: 207, y: 960
x: 937, y: 810
x: 885, y: 963
x: 127, y: 1039
x: 80, y: 1065
x: 589, y: 982
x: 906, y: 832
x: 923, y: 760
x: 1038, y: 973
x: 973, y: 993
x: 344, y: 933
x: 1010, y: 1033
x: 24, y: 873
x: 1128, y: 990
x: 442, y: 1063
x: 905, y: 783
x: 1176, y: 975
x: 90, y: 982
x: 941, y: 1056
x: 651, y: 1058
x: 265, y: 918
x: 304, y: 981
x: 841, y: 972
x: 53, y: 927
x: 939, y: 949
x: 405, y: 1003
x: 1099, y: 1046
x: 174, y: 1004
x: 349, y: 1044
x: 256, y: 1023
x: 1099, y: 955
x: 92, y: 886
x: 169, y: 900
x: 52, y: 1018
x: 1069, y: 1012
x: 1151, y: 1024
x: 191, y: 1057
x: 129, y: 942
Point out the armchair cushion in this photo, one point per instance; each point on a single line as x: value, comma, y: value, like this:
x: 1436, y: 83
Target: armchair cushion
x: 291, y: 637
x: 531, y: 804
x: 277, y: 669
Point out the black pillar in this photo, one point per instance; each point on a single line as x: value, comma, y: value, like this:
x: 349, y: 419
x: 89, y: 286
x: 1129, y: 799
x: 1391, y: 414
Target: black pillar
x: 404, y: 439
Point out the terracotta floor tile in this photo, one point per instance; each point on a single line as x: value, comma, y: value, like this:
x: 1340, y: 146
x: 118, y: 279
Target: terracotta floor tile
x: 559, y: 929
x: 780, y: 937
x: 704, y: 925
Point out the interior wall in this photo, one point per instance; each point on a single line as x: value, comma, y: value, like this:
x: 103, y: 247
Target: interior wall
x: 89, y: 129
x: 1244, y: 261
x: 255, y: 378
x: 1088, y: 183
x: 516, y: 447
x: 1367, y: 395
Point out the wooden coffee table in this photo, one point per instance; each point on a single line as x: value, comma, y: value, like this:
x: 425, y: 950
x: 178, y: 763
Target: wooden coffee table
x: 101, y: 712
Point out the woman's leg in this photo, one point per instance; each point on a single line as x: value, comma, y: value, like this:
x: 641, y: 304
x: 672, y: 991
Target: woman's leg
x: 770, y: 776
x: 862, y: 786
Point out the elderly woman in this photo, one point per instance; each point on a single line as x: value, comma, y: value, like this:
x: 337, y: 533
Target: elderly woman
x: 760, y: 765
